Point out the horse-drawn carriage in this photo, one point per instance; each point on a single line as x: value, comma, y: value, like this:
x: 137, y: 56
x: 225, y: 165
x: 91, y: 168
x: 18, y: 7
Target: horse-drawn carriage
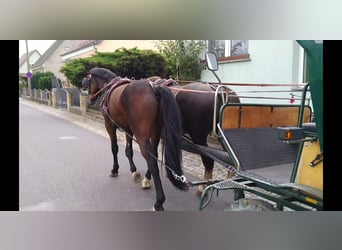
x: 270, y: 135
x: 252, y: 135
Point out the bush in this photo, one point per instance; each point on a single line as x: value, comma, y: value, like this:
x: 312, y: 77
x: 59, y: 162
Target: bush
x: 131, y: 63
x: 21, y: 86
x: 45, y: 83
x: 139, y: 64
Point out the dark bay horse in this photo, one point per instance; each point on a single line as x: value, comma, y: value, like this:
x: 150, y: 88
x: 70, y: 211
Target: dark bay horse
x: 199, y: 104
x: 146, y: 111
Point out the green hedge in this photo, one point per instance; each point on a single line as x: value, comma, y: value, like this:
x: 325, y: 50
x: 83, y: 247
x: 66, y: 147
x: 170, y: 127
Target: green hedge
x: 131, y: 63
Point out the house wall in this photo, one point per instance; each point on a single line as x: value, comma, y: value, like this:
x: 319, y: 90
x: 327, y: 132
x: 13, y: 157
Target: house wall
x: 33, y: 58
x: 54, y: 61
x: 271, y: 61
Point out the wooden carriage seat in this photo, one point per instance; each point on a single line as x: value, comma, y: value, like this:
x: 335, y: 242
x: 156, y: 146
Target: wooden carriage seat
x: 262, y: 116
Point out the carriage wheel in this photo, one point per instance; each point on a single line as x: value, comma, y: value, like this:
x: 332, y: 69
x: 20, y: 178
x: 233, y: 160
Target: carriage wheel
x: 249, y: 204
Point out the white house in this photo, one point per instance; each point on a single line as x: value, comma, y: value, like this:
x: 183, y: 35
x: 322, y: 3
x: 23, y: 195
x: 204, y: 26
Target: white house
x: 32, y: 57
x: 259, y: 62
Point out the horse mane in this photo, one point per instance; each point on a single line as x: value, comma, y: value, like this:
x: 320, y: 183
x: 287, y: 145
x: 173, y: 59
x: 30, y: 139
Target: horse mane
x: 103, y: 73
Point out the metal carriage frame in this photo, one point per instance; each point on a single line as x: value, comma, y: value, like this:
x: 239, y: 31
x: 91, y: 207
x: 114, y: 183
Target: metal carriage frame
x: 304, y: 191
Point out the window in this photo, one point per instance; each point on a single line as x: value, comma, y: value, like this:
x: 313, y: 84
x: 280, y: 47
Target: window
x: 227, y: 50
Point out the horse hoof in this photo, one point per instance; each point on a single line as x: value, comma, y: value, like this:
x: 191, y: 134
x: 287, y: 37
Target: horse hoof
x: 198, y: 193
x: 155, y: 210
x: 230, y: 175
x: 200, y: 190
x: 113, y: 175
x: 136, y: 176
x: 146, y: 183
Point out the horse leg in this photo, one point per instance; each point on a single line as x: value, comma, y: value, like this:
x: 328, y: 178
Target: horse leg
x: 129, y: 155
x: 115, y: 150
x: 146, y: 182
x: 208, y: 172
x: 114, y: 147
x: 207, y: 162
x: 150, y: 154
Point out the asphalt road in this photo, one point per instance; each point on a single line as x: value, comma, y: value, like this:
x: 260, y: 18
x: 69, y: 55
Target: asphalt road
x: 65, y: 167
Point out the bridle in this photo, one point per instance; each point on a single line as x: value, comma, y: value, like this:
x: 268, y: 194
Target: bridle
x: 86, y: 82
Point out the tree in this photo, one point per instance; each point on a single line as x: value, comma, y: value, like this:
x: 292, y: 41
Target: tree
x: 183, y: 57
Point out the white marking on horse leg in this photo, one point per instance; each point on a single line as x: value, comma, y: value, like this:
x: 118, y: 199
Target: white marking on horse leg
x: 136, y: 176
x: 207, y: 175
x: 200, y: 189
x: 145, y: 183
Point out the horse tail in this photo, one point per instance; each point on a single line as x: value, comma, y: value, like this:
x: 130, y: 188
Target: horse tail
x: 172, y: 135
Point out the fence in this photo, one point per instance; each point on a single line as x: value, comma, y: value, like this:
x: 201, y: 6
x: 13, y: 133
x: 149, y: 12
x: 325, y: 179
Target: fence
x: 70, y: 99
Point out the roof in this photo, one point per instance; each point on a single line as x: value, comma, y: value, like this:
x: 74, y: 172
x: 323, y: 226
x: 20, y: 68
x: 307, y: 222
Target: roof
x: 80, y: 44
x: 23, y: 58
x: 47, y: 53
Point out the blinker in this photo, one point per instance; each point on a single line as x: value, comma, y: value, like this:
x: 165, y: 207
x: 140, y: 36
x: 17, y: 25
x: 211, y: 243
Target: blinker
x: 85, y: 82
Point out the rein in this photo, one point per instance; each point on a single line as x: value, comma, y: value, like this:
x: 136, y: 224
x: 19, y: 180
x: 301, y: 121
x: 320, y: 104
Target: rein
x: 198, y: 91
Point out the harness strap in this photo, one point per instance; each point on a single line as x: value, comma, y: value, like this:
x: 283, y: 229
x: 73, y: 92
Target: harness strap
x: 115, y: 82
x: 165, y: 82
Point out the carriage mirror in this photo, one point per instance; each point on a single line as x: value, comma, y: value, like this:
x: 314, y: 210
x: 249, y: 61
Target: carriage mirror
x: 211, y: 61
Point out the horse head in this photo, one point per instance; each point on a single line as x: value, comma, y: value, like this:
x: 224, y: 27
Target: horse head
x: 95, y: 81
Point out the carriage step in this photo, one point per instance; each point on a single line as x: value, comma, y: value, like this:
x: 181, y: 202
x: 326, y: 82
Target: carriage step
x: 257, y: 178
x: 230, y: 184
x: 242, y: 180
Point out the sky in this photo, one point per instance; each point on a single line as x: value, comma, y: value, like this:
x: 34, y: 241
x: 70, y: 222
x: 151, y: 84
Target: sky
x: 40, y: 45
